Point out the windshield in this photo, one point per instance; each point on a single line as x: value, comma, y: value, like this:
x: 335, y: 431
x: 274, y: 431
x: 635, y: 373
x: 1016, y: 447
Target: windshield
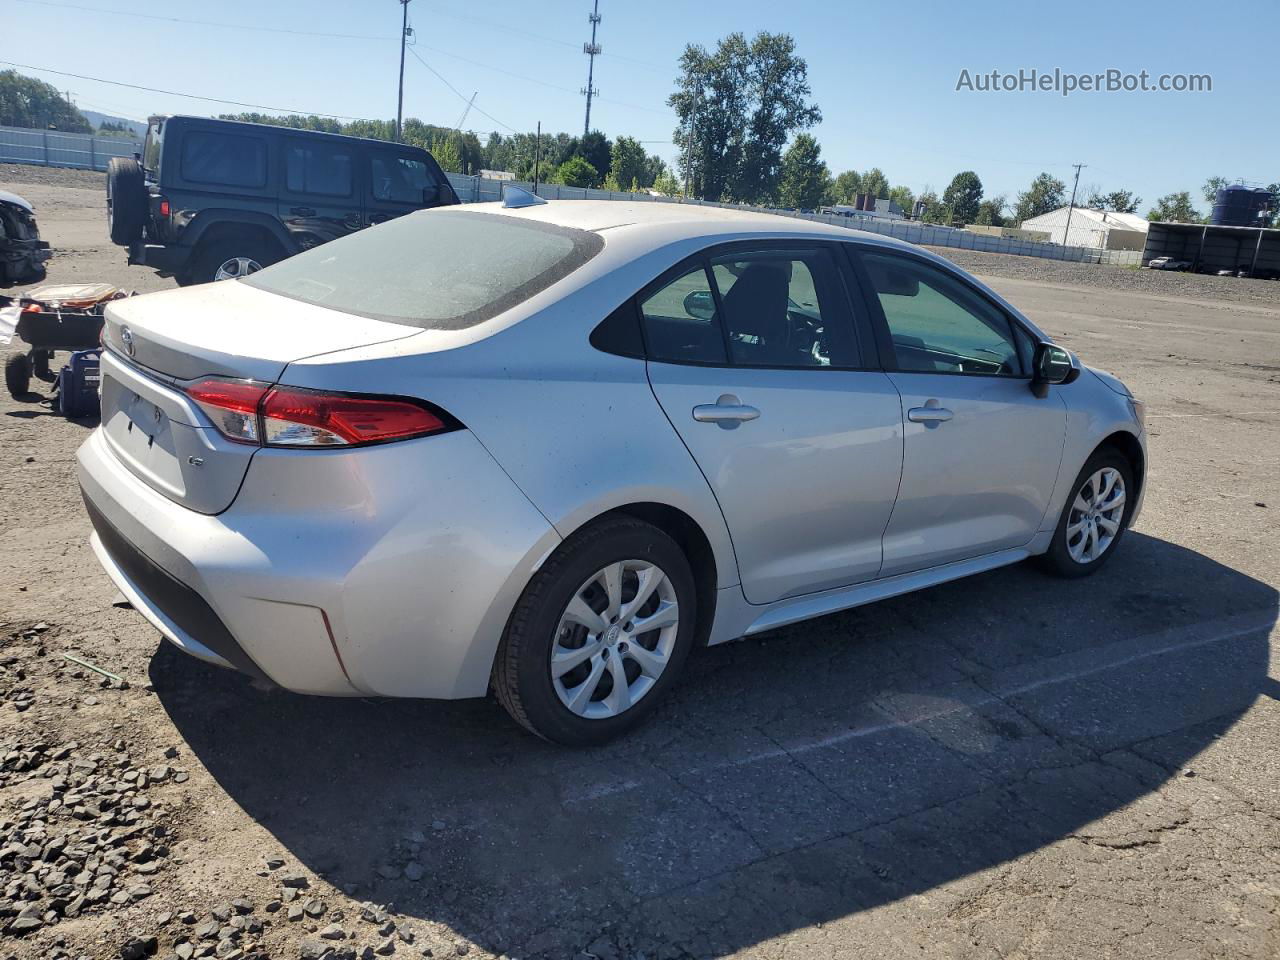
x: 434, y: 269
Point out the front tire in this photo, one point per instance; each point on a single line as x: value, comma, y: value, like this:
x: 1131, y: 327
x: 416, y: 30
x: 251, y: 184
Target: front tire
x: 1094, y: 517
x: 599, y: 635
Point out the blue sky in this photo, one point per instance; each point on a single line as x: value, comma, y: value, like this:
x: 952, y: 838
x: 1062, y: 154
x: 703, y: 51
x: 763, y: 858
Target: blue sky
x: 884, y: 74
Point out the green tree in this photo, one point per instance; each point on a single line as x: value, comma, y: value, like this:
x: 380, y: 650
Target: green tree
x: 28, y: 102
x: 804, y: 179
x: 846, y: 187
x: 1175, y: 208
x: 875, y: 184
x: 597, y: 151
x: 1045, y: 193
x: 575, y: 172
x: 935, y: 211
x: 1121, y: 201
x: 991, y: 212
x: 736, y: 108
x: 109, y: 129
x: 447, y: 153
x: 1210, y: 188
x: 903, y: 197
x: 963, y: 195
x: 611, y: 183
x: 666, y: 184
x: 630, y: 162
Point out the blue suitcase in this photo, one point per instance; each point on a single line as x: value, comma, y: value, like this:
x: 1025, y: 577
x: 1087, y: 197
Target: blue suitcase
x: 78, y: 385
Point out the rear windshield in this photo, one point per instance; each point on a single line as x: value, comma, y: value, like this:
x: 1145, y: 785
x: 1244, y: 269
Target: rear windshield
x: 434, y: 269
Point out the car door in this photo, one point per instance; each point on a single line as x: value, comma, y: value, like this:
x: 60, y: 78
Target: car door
x: 319, y: 197
x: 399, y: 183
x: 755, y: 357
x: 981, y: 450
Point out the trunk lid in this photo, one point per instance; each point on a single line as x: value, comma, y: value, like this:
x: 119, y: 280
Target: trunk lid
x: 158, y: 344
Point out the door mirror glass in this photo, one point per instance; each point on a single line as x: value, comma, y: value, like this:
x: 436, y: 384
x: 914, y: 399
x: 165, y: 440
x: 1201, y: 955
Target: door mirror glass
x: 1053, y: 364
x: 700, y: 305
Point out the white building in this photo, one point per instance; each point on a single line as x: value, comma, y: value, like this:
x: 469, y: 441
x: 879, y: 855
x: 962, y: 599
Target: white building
x: 1105, y: 229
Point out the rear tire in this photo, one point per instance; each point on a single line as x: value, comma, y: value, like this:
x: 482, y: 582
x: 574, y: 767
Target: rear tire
x: 1087, y: 513
x: 126, y: 200
x: 17, y: 375
x: 229, y: 258
x: 573, y: 584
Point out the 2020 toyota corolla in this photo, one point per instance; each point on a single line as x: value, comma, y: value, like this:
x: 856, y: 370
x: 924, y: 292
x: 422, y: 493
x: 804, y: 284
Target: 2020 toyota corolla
x: 546, y: 449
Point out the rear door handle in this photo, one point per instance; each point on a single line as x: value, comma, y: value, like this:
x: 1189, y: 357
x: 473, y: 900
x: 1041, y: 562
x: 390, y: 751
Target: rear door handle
x: 931, y: 414
x: 302, y: 211
x: 728, y: 411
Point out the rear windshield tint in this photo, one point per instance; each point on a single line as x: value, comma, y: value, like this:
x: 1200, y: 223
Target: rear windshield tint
x: 434, y: 269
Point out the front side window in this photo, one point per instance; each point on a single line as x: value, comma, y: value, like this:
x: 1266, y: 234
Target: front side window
x: 226, y: 159
x: 318, y: 168
x: 399, y: 179
x: 938, y: 323
x: 436, y: 269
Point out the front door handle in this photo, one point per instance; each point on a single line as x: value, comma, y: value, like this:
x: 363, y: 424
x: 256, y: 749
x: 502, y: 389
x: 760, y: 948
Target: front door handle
x: 931, y: 414
x: 302, y: 211
x: 728, y: 411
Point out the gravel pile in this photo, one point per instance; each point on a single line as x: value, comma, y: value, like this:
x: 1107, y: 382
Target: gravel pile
x: 1106, y: 277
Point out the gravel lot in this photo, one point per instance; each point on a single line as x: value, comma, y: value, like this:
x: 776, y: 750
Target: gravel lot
x: 1010, y: 766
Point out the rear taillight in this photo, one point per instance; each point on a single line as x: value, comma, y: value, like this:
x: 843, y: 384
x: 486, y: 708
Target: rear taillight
x: 164, y: 207
x: 249, y: 412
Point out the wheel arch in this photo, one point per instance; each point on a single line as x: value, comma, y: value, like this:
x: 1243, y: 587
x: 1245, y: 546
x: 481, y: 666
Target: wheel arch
x: 209, y: 226
x: 693, y: 542
x: 1130, y: 447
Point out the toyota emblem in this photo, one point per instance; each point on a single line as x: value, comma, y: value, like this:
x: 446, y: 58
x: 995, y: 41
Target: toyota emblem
x: 126, y: 338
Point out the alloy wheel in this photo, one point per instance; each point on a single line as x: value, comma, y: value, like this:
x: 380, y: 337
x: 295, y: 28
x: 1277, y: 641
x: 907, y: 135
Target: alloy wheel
x: 1096, y: 515
x: 236, y: 267
x: 614, y: 639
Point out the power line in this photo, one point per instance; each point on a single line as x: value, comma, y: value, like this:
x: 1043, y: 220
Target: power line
x: 539, y: 82
x: 176, y: 93
x: 204, y: 23
x: 461, y: 96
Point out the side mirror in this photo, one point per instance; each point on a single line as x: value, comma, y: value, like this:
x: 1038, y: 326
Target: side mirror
x: 700, y: 305
x: 1052, y: 365
x: 431, y: 194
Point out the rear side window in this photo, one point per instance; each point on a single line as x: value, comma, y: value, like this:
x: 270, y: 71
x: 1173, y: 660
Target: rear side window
x: 436, y: 269
x: 151, y: 147
x: 681, y: 324
x: 399, y: 179
x: 226, y: 159
x: 318, y: 168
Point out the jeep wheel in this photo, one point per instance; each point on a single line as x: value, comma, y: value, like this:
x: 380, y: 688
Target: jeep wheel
x: 126, y: 200
x: 230, y: 259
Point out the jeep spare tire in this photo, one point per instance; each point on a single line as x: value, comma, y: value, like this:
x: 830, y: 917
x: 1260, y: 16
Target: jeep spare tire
x: 126, y: 200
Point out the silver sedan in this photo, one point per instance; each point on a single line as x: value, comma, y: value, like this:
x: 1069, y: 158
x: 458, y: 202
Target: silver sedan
x: 545, y: 449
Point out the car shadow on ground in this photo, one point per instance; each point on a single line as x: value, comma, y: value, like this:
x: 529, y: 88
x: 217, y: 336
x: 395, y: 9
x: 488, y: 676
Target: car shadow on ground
x: 789, y: 780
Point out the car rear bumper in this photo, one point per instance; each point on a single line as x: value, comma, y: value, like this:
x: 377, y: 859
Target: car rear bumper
x: 379, y: 571
x: 167, y: 258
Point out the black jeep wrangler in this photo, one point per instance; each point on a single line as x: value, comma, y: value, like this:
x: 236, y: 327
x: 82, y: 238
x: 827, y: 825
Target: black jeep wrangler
x: 218, y: 199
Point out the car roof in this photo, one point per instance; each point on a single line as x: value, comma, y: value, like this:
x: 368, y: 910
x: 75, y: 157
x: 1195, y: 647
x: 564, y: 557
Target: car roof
x: 661, y: 221
x: 247, y: 126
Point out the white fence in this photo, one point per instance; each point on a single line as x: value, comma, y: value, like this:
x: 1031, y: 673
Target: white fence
x: 478, y: 189
x: 53, y: 148
x: 80, y: 150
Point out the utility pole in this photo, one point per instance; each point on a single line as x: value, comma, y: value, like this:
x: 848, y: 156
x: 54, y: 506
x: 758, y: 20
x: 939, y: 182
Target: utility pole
x: 591, y: 49
x: 537, y: 156
x: 404, y: 35
x: 1072, y: 206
